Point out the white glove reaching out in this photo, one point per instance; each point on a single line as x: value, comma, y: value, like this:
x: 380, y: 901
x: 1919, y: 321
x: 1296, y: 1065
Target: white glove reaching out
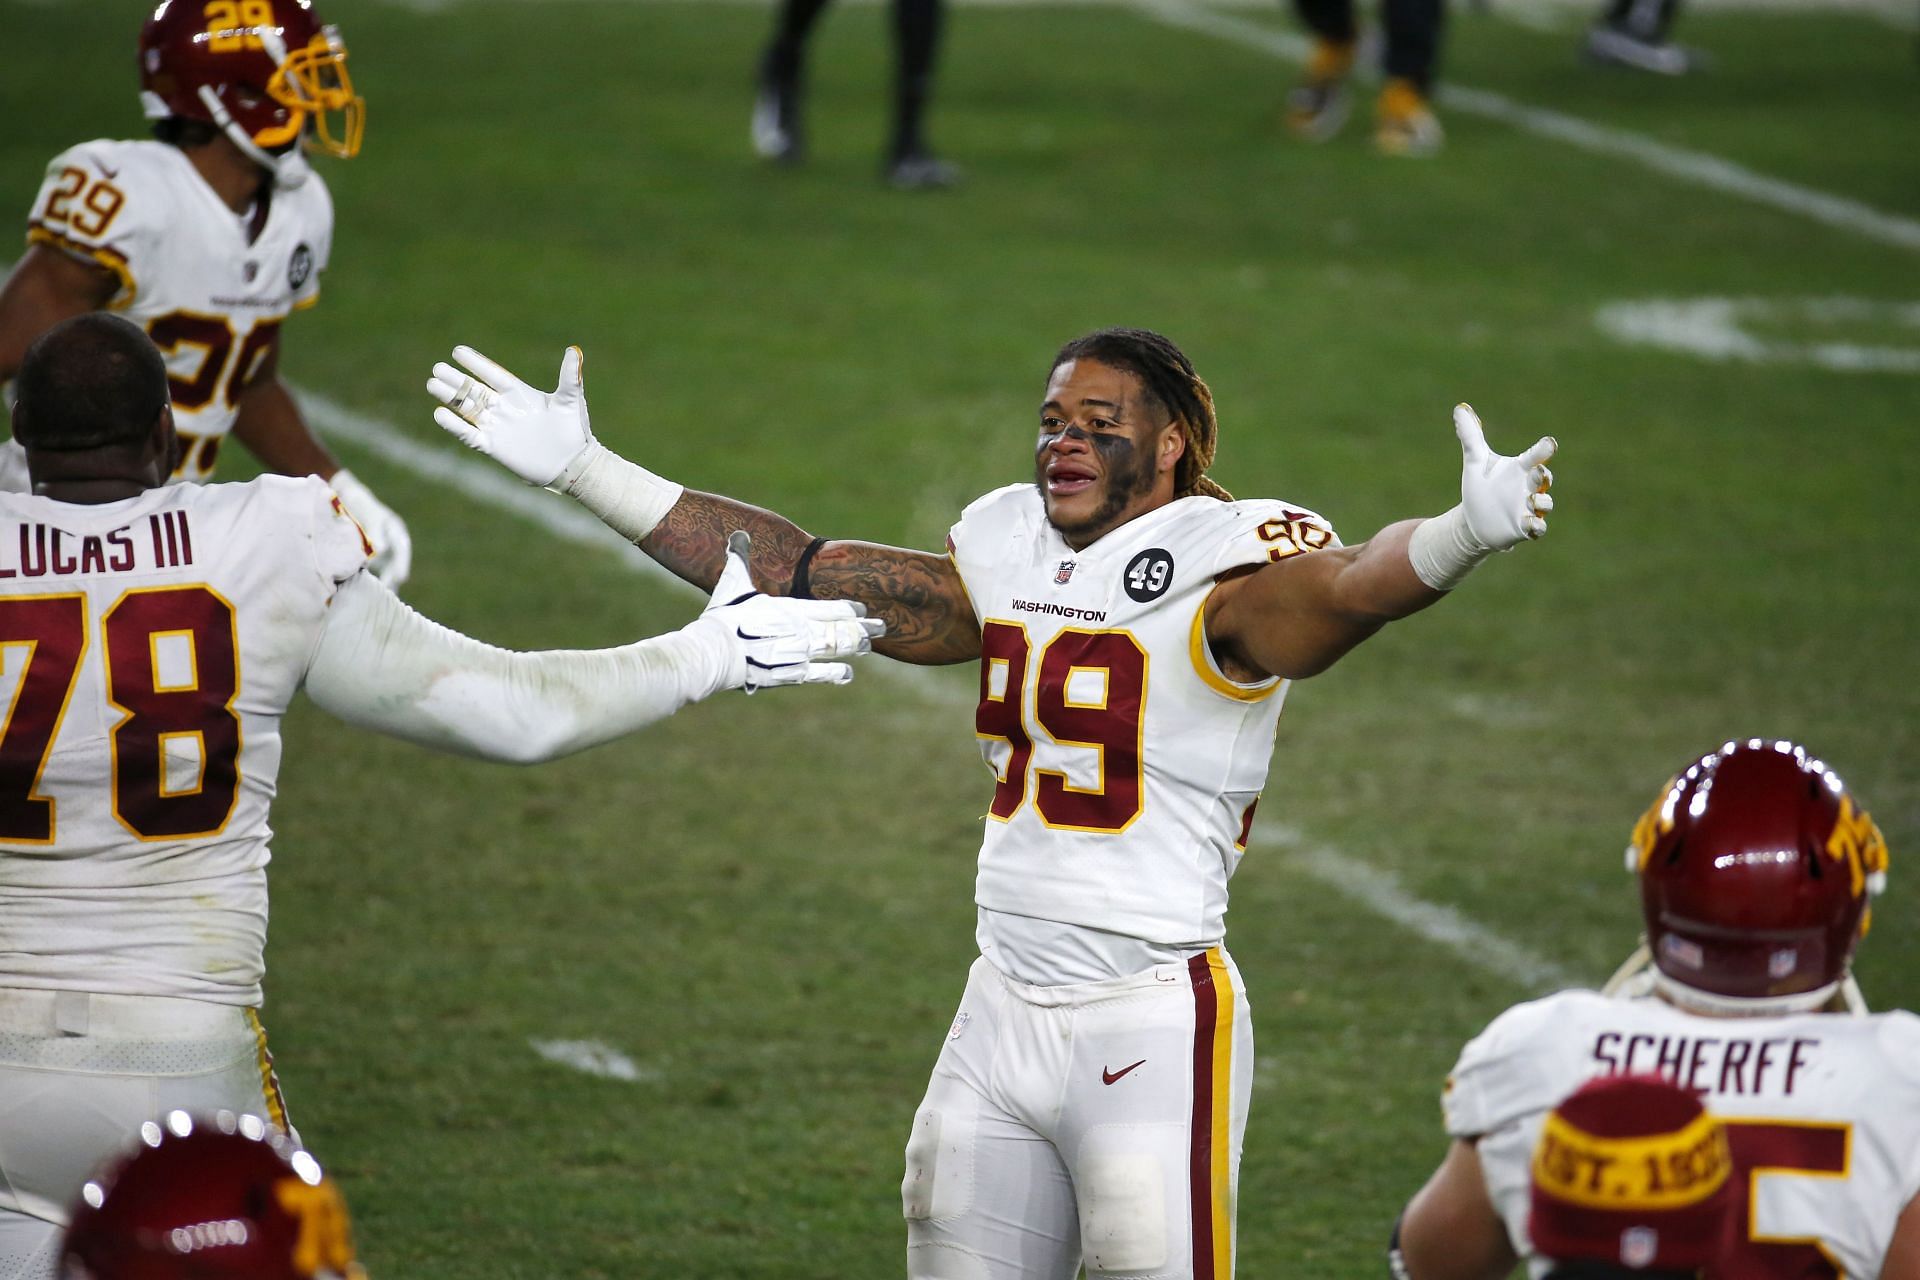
x: 392, y: 558
x: 1506, y: 498
x: 780, y: 641
x: 1503, y: 502
x: 538, y: 435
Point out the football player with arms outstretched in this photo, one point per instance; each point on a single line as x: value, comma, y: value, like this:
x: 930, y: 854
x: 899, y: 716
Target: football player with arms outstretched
x: 1136, y: 629
x: 153, y: 637
x: 1756, y: 870
x: 209, y: 236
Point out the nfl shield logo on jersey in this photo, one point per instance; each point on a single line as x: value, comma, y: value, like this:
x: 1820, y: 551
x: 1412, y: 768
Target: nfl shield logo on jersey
x: 1638, y: 1245
x: 1063, y: 574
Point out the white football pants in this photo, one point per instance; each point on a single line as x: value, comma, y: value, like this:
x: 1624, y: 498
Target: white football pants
x: 1099, y: 1122
x: 79, y: 1075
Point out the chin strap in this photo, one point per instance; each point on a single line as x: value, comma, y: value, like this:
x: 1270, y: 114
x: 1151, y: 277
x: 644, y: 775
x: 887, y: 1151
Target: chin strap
x: 1634, y: 977
x: 1638, y: 976
x: 289, y: 168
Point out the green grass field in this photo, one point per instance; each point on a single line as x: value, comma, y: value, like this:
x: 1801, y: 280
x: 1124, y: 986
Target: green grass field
x: 766, y: 903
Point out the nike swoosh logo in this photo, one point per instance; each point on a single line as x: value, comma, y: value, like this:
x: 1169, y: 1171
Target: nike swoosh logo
x: 1108, y: 1077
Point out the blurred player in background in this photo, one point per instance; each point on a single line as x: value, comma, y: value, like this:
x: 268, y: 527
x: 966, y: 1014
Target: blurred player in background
x: 1136, y: 629
x: 1756, y: 868
x: 1633, y: 33
x: 1403, y: 119
x: 778, y: 130
x: 221, y: 1196
x: 209, y: 236
x: 1632, y: 1180
x: 153, y: 636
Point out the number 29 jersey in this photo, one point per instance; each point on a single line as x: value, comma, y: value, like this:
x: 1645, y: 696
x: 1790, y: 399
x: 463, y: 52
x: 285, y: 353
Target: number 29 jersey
x: 1126, y: 764
x: 151, y: 647
x: 210, y: 298
x: 1822, y: 1112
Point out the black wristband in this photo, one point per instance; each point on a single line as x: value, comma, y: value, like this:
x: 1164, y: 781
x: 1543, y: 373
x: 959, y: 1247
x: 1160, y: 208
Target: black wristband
x: 802, y: 589
x: 1396, y: 1260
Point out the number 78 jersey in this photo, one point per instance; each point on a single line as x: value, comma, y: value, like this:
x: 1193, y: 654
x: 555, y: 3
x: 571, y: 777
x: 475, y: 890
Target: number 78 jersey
x: 148, y: 649
x: 1126, y: 764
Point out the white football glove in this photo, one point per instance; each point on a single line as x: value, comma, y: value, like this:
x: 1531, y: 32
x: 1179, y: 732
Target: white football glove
x: 1506, y: 499
x: 392, y: 545
x: 781, y: 641
x: 535, y: 434
x: 1503, y: 502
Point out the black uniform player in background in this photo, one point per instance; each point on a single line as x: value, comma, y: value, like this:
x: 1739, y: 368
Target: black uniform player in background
x: 1633, y: 33
x: 1404, y: 123
x: 777, y: 131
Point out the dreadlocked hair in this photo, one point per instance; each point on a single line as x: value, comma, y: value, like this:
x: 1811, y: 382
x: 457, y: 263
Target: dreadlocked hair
x: 1168, y: 376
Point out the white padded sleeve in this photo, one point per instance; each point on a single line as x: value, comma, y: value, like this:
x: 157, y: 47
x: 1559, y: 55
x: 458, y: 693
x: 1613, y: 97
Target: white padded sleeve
x: 383, y: 666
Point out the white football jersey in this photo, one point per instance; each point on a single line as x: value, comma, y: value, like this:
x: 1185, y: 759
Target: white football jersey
x: 1822, y: 1112
x: 150, y: 648
x: 1127, y: 765
x: 211, y: 298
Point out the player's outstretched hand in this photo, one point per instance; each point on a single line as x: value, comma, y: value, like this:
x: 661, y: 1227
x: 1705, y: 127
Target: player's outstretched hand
x: 1506, y: 499
x: 392, y: 560
x: 533, y: 433
x: 783, y: 641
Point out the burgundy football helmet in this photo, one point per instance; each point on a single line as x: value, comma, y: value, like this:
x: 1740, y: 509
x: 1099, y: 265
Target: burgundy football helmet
x: 267, y: 73
x: 1756, y: 872
x: 227, y: 1198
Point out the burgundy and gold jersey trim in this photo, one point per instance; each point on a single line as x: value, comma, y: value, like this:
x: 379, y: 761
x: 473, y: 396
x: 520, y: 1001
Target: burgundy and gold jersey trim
x: 1246, y: 825
x: 269, y: 1082
x: 1210, y: 1174
x: 1203, y: 664
x: 108, y: 258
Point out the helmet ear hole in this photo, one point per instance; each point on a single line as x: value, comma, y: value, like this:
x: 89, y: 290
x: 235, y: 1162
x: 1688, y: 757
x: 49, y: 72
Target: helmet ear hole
x: 1673, y: 855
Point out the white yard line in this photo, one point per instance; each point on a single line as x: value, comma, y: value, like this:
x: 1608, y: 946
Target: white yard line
x: 1696, y: 168
x: 1717, y: 329
x: 594, y: 1058
x: 1381, y: 892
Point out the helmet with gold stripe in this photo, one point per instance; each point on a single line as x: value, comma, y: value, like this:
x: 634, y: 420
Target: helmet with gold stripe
x: 215, y: 1199
x: 266, y: 73
x: 1757, y: 868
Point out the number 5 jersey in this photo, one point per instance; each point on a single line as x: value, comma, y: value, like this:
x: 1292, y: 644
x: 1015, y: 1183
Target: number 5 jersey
x: 1822, y: 1112
x: 210, y: 287
x: 1127, y: 765
x: 151, y: 647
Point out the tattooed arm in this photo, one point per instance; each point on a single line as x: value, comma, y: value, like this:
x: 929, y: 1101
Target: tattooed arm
x: 545, y: 439
x: 917, y: 593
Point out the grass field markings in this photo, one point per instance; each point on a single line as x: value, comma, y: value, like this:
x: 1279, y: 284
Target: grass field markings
x: 1381, y: 892
x: 487, y: 483
x: 1716, y: 329
x: 1496, y: 710
x: 1697, y: 168
x: 595, y: 1058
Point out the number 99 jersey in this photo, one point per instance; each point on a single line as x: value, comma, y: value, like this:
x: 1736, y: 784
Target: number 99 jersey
x: 209, y: 286
x: 1126, y: 764
x: 1822, y: 1113
x: 151, y: 647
